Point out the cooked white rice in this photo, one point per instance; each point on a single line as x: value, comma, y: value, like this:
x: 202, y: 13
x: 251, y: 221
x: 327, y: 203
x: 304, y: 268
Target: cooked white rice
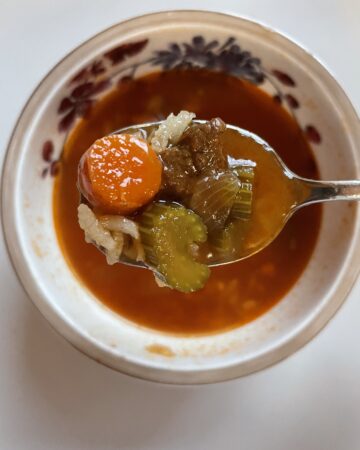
x: 120, y: 223
x: 171, y: 130
x: 114, y: 234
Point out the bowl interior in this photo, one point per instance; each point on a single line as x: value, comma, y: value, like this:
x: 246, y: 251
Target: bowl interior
x: 281, y: 68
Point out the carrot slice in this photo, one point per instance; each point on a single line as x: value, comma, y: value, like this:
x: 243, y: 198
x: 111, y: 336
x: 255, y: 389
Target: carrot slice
x: 119, y: 174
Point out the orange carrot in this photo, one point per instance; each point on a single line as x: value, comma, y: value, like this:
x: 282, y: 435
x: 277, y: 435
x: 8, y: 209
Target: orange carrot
x: 119, y: 174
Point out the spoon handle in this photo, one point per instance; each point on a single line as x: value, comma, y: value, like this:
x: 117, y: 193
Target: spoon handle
x: 323, y: 191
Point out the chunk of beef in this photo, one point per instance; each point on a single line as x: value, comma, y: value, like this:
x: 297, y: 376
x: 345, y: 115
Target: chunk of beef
x: 179, y: 172
x: 199, y: 153
x: 206, y: 147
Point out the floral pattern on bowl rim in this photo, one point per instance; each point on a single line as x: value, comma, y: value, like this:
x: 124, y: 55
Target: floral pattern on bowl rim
x: 92, y: 80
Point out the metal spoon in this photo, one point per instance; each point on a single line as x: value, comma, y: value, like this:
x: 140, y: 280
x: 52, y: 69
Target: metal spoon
x: 305, y: 191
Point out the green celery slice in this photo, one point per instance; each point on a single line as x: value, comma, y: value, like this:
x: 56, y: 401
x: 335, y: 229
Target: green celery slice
x: 167, y: 232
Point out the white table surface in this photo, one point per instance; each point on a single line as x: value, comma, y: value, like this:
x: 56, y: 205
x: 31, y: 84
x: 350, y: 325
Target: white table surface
x: 53, y: 397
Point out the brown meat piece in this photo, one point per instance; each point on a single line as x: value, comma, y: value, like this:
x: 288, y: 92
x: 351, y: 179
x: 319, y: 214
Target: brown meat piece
x: 179, y: 172
x: 198, y: 153
x: 205, y: 144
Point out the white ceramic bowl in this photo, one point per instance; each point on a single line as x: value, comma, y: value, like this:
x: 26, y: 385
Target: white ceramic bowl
x: 27, y: 197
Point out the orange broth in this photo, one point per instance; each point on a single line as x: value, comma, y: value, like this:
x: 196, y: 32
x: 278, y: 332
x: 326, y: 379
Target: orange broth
x: 234, y: 294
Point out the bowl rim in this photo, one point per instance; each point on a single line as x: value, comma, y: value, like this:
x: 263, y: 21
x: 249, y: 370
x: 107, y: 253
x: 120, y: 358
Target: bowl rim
x: 293, y: 342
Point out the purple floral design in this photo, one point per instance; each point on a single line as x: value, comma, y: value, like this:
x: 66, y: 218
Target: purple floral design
x: 93, y: 70
x: 312, y: 134
x: 90, y: 82
x: 292, y: 101
x: 228, y: 57
x: 120, y: 53
x: 52, y: 165
x: 79, y: 102
x: 284, y: 78
x: 276, y: 76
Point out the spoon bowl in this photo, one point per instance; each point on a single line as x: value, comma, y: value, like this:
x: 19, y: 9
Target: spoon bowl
x: 297, y: 192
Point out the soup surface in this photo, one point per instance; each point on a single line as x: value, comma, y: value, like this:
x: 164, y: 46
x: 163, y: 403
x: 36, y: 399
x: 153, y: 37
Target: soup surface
x: 234, y: 294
